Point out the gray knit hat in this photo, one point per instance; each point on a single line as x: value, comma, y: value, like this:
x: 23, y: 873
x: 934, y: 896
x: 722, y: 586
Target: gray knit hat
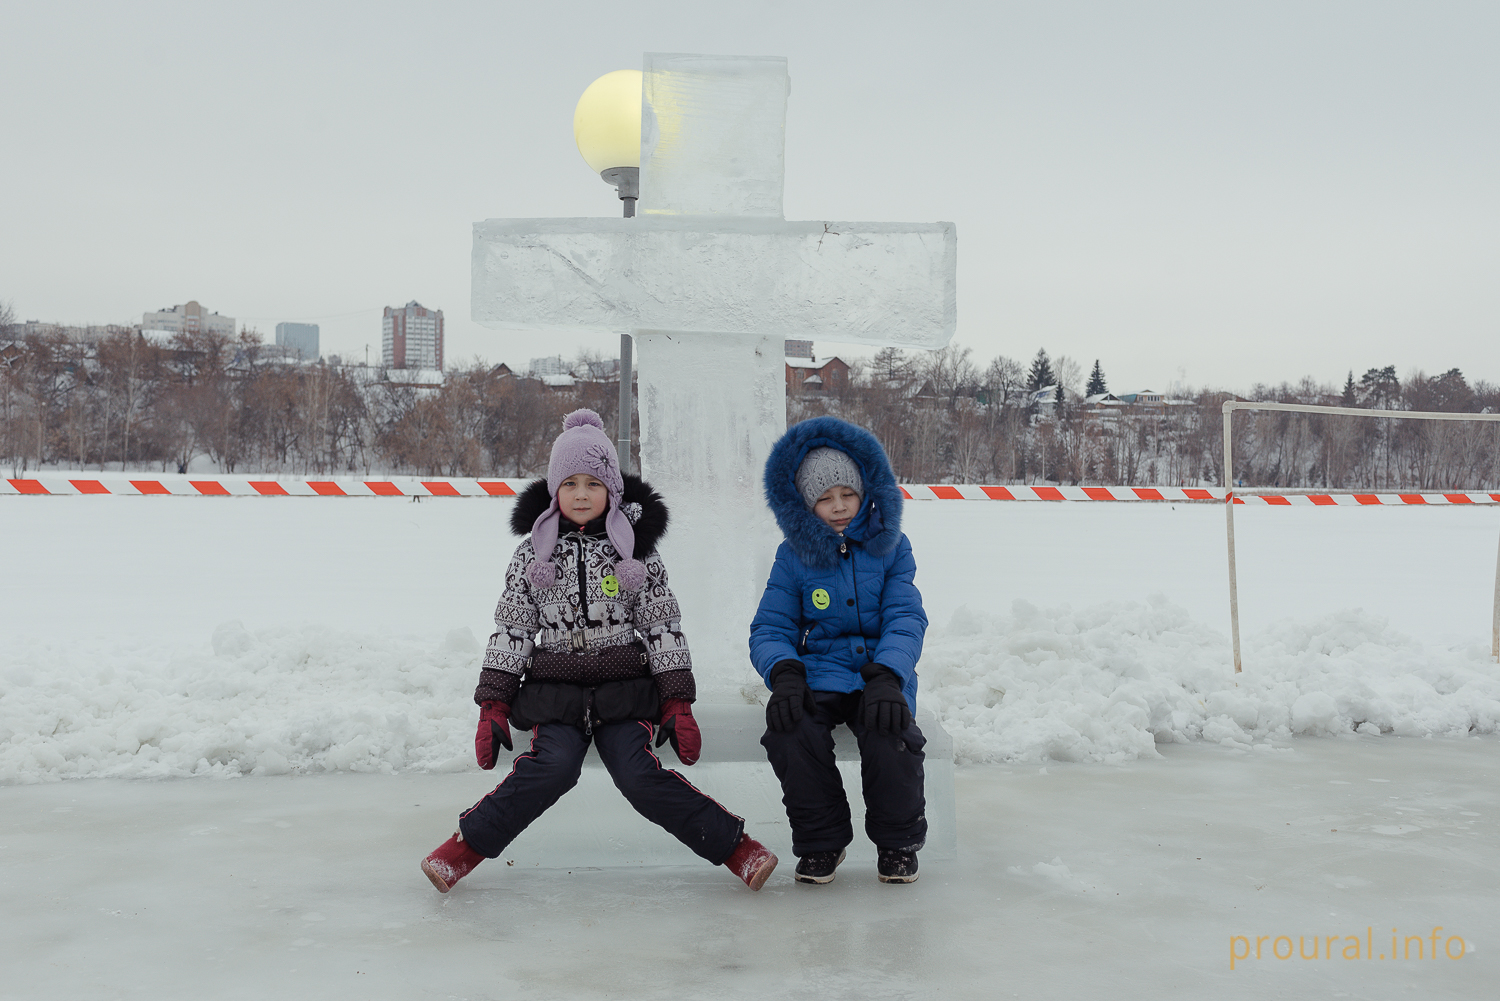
x: 827, y: 467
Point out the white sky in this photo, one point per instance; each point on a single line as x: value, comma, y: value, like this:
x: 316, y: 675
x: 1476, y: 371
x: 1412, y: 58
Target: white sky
x: 1210, y: 192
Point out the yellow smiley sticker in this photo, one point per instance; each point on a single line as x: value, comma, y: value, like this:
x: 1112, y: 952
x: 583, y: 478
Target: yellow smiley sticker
x: 610, y: 586
x: 820, y: 599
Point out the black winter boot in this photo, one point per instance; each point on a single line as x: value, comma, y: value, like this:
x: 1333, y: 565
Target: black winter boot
x: 817, y: 867
x: 897, y: 865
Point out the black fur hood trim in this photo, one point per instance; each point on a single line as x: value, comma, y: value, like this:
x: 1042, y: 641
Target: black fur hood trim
x: 648, y: 528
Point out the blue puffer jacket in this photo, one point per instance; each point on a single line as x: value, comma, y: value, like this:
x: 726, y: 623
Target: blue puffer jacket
x: 838, y: 602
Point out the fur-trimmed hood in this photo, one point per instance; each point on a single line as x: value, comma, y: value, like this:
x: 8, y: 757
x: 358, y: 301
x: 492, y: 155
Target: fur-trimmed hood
x: 650, y: 525
x: 877, y: 527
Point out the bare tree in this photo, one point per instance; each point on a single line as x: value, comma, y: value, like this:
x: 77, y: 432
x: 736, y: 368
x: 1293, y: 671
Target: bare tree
x: 1069, y: 375
x: 951, y: 372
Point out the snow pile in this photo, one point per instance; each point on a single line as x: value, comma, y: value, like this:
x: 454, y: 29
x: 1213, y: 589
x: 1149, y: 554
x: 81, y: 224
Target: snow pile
x: 1109, y: 682
x: 1104, y: 683
x: 267, y: 703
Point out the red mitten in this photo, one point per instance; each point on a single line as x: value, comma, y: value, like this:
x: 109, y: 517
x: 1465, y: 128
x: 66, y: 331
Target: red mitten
x: 678, y: 726
x: 494, y: 728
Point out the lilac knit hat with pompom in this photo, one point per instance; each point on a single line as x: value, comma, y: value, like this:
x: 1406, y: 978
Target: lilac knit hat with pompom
x: 583, y: 447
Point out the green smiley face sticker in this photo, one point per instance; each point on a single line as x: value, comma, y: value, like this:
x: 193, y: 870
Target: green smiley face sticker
x: 820, y: 599
x: 610, y: 585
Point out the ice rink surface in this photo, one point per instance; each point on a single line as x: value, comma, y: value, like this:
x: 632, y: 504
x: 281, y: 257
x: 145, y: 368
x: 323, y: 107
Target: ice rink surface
x: 1073, y: 881
x: 1128, y: 880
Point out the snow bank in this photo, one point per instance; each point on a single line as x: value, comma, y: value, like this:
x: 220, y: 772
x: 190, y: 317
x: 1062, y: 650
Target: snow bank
x: 1105, y: 683
x: 263, y: 703
x: 1109, y: 682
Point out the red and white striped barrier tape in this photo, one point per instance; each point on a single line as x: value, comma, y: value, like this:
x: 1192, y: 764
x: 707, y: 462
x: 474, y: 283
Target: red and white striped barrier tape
x: 136, y: 485
x: 1360, y: 500
x: 974, y: 492
x: 1181, y: 494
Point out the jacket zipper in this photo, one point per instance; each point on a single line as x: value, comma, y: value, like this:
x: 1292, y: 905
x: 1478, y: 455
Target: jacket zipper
x: 577, y: 640
x: 583, y: 592
x: 854, y: 584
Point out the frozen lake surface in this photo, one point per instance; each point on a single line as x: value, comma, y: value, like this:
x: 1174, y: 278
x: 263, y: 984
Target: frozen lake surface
x: 1072, y: 880
x: 314, y: 661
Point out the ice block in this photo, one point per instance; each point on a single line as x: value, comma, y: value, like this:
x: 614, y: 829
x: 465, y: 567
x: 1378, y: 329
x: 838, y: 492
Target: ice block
x: 711, y: 407
x: 713, y: 130
x: 871, y: 283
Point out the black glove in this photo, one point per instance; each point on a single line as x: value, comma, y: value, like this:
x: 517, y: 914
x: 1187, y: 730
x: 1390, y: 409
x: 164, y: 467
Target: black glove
x: 790, y: 696
x: 884, y: 707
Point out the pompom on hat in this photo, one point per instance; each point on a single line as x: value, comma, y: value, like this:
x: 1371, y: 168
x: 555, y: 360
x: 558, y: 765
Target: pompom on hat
x: 583, y: 447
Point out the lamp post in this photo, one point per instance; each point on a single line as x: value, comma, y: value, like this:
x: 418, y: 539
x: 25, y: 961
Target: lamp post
x: 607, y: 128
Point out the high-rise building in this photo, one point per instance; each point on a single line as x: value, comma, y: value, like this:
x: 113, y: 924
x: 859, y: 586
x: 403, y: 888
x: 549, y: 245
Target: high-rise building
x: 299, y: 337
x: 553, y: 365
x: 189, y: 318
x: 412, y: 337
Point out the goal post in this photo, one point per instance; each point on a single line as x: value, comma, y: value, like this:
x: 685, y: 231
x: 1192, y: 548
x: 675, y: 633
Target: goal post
x: 1230, y: 406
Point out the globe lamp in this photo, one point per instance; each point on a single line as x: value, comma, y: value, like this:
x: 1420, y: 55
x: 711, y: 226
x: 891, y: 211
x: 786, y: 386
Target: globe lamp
x: 607, y: 128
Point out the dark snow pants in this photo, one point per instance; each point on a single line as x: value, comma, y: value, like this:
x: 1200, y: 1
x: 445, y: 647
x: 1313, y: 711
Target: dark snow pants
x: 813, y: 793
x: 551, y: 766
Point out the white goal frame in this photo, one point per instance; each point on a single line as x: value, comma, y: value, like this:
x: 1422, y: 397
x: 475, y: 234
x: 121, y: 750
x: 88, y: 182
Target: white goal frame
x: 1230, y: 406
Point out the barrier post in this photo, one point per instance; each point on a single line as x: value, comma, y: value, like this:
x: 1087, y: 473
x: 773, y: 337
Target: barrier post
x: 1234, y: 591
x: 1495, y: 621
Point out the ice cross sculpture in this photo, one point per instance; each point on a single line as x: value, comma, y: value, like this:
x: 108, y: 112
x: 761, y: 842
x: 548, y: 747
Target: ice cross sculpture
x: 709, y: 279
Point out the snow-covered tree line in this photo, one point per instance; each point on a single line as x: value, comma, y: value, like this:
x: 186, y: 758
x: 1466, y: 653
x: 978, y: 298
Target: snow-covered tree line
x: 123, y: 401
x: 945, y: 417
x: 1297, y: 450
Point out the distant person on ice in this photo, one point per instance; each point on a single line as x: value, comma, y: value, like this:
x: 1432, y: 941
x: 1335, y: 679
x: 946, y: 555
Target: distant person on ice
x: 589, y: 646
x: 837, y: 637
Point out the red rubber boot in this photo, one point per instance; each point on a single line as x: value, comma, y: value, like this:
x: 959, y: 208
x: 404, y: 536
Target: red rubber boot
x: 452, y: 861
x: 752, y: 861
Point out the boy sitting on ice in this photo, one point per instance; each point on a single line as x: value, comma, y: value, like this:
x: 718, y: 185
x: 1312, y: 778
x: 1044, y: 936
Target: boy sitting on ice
x: 837, y: 637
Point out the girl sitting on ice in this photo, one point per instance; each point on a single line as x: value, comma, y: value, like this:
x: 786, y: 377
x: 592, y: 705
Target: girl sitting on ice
x: 589, y: 646
x: 837, y: 637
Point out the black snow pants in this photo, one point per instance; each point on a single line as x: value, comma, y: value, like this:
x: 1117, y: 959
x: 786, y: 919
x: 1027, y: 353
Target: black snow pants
x: 813, y: 793
x: 551, y: 766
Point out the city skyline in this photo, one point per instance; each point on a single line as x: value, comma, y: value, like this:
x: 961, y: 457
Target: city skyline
x: 1213, y: 196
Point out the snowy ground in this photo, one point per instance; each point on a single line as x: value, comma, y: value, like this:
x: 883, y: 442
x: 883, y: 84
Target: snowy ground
x: 163, y: 637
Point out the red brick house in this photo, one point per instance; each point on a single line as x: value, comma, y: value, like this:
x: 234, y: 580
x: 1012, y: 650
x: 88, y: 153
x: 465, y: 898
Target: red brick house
x: 806, y: 375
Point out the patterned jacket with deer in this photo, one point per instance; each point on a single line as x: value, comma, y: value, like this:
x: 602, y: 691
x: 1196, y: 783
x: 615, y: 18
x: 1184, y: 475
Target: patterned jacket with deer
x: 586, y: 610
